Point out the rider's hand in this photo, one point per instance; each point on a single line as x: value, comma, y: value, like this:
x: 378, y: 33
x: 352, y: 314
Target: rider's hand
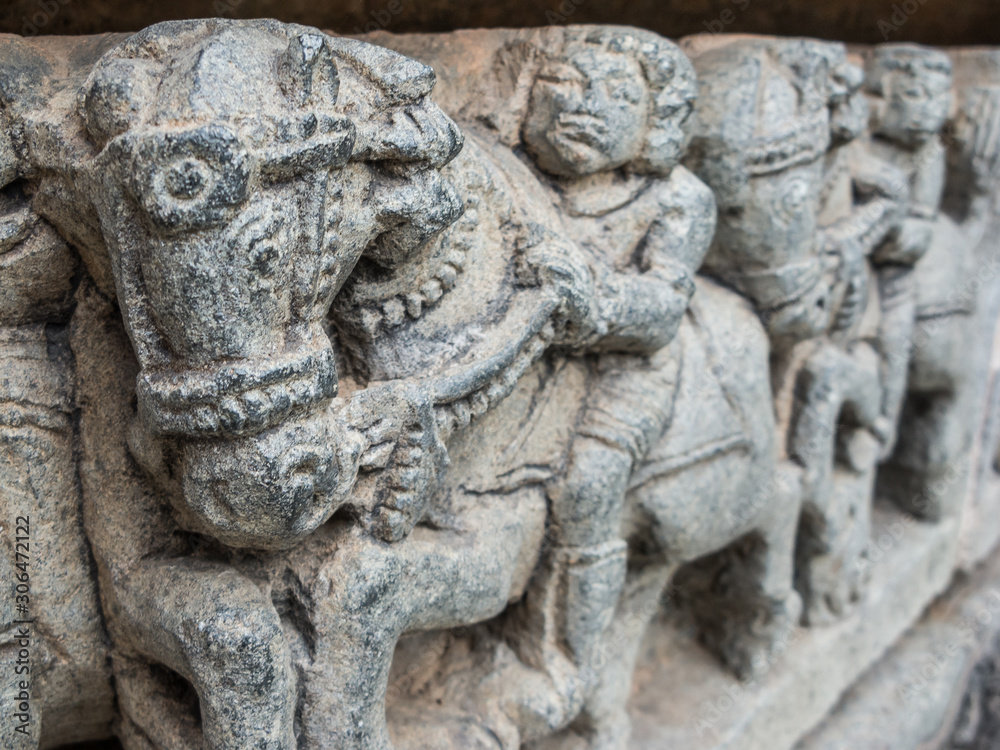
x: 404, y: 455
x: 558, y: 266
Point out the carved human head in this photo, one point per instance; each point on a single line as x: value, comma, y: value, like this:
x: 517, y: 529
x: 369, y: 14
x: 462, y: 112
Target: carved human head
x: 242, y: 169
x: 911, y: 90
x: 610, y: 97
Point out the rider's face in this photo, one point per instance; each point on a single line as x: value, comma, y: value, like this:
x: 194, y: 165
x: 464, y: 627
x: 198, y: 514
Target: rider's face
x: 916, y: 105
x: 588, y: 112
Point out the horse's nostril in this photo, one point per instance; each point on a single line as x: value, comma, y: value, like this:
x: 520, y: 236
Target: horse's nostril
x: 185, y: 179
x: 305, y: 462
x: 305, y: 467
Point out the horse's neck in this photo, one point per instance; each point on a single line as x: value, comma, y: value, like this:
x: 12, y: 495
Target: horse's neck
x: 410, y: 290
x: 474, y: 336
x: 380, y: 306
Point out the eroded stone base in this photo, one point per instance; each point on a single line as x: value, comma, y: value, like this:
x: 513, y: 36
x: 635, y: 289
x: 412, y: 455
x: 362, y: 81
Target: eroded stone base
x: 912, y: 699
x: 713, y: 711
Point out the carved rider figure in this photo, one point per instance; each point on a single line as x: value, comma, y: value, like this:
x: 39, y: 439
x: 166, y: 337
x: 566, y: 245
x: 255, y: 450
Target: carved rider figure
x: 605, y: 127
x: 600, y: 158
x: 911, y: 88
x: 847, y: 390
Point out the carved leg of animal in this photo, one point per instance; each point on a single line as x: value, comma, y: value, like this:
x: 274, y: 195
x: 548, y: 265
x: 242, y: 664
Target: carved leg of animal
x: 219, y: 631
x: 554, y: 636
x: 897, y: 295
x: 538, y: 670
x: 837, y: 576
x: 516, y: 703
x: 133, y: 738
x: 832, y: 570
x: 779, y: 591
x: 929, y: 469
x: 371, y: 592
x: 155, y: 715
x: 813, y: 445
x: 859, y: 450
x: 604, y: 722
x: 834, y: 437
x: 756, y: 607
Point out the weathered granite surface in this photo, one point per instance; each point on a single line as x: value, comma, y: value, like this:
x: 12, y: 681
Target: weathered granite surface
x: 492, y: 389
x: 914, y: 697
x: 978, y: 722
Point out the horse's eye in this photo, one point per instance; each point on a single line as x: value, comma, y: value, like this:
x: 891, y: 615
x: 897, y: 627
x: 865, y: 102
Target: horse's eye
x: 191, y: 179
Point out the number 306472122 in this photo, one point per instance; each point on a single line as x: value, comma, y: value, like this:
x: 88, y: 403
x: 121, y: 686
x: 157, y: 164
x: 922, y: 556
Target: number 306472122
x: 22, y: 538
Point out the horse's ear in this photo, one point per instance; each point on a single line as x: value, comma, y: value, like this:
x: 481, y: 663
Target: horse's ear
x: 307, y: 67
x: 400, y: 79
x: 114, y: 96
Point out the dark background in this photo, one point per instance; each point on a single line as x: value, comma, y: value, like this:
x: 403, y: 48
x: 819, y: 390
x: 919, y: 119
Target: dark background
x: 940, y: 22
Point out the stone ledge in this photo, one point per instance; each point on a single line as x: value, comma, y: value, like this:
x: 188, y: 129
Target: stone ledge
x: 806, y: 683
x: 909, y: 700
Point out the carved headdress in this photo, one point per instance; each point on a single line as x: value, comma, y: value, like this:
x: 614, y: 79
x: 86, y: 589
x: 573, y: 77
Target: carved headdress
x: 762, y: 109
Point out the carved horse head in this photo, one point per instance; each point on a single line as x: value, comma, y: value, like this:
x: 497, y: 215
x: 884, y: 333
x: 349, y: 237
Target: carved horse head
x: 763, y: 126
x: 243, y: 169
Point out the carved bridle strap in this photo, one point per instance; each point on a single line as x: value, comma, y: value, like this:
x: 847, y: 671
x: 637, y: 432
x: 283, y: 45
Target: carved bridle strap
x: 805, y: 140
x: 462, y: 396
x: 238, y: 397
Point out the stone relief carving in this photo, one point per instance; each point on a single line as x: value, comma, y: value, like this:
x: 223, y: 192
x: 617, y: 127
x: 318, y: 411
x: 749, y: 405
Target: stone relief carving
x: 39, y: 476
x: 912, y: 89
x: 323, y: 358
x: 971, y: 163
x: 850, y: 380
x: 777, y: 185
